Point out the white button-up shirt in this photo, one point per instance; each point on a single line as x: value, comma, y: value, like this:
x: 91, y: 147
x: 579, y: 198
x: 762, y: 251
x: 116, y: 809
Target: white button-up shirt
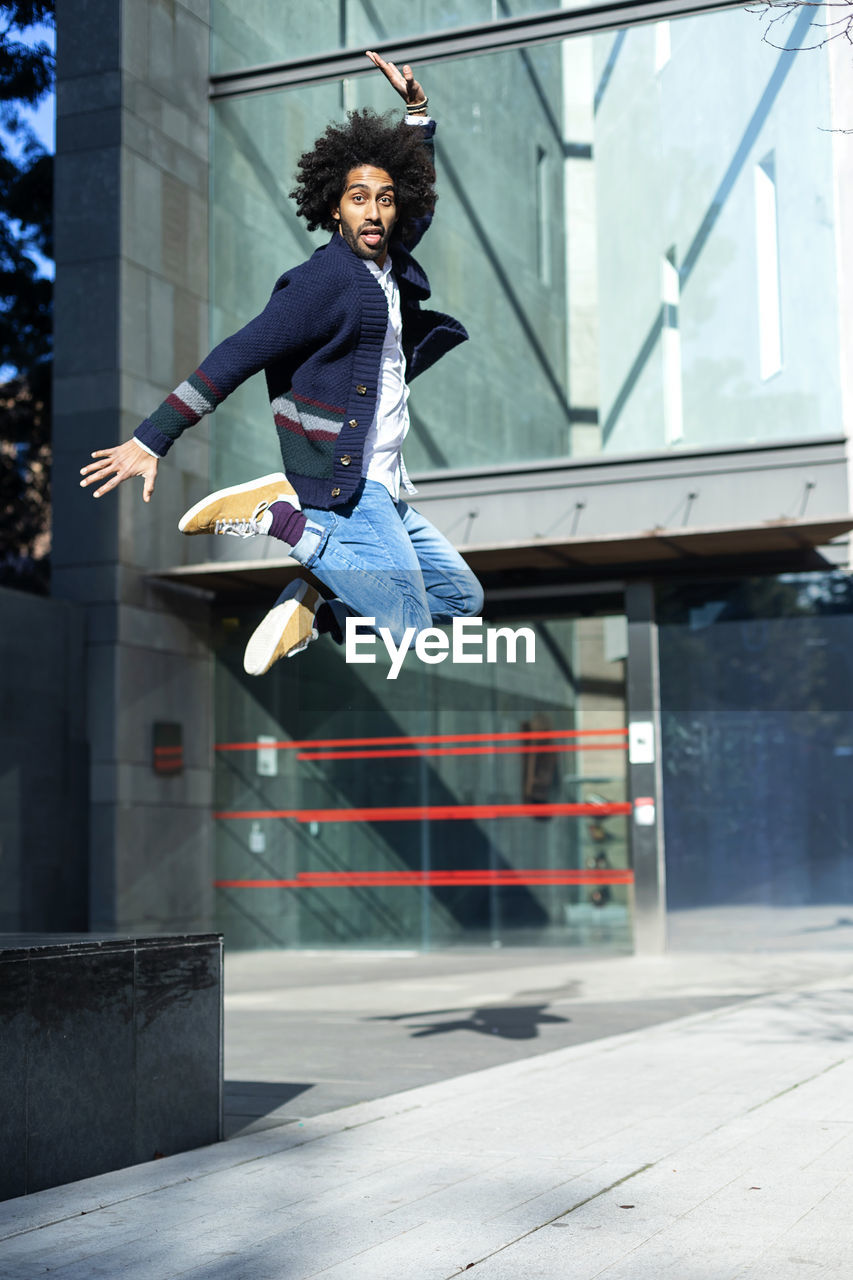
x: 382, y: 459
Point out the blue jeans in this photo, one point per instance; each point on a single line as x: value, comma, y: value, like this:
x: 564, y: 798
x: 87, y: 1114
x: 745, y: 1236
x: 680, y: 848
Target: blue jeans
x: 383, y: 560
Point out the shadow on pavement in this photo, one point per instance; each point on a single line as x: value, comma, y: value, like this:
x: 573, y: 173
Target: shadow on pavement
x: 843, y: 922
x: 247, y: 1101
x: 512, y: 1022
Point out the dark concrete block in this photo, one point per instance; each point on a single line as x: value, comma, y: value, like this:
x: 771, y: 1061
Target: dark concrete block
x: 103, y: 819
x: 75, y: 435
x: 94, y: 521
x: 178, y: 1016
x: 82, y: 127
x: 10, y: 839
x: 83, y: 583
x: 42, y: 755
x: 80, y: 1087
x: 91, y: 36
x: 86, y: 391
x: 14, y: 981
x: 86, y: 325
x: 96, y: 94
x: 58, y: 888
x: 87, y: 201
x: 102, y: 620
x: 110, y: 1053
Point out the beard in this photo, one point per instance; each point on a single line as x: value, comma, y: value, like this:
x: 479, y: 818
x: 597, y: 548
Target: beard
x: 359, y: 248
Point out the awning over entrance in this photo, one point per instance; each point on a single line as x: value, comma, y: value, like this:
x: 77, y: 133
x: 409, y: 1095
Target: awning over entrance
x: 783, y: 543
x: 663, y: 548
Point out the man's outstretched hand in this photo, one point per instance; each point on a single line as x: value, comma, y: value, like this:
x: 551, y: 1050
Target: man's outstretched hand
x: 121, y: 463
x: 403, y: 81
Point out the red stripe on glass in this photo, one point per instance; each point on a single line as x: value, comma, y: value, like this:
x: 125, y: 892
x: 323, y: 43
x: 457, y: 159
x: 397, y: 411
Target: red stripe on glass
x: 417, y: 752
x: 432, y: 812
x: 389, y: 879
x: 526, y: 735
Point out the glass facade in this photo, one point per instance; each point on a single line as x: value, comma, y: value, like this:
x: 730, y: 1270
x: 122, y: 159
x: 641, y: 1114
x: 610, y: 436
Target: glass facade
x: 252, y: 33
x: 639, y: 235
x: 459, y: 803
x: 677, y: 155
x: 639, y: 231
x: 756, y: 678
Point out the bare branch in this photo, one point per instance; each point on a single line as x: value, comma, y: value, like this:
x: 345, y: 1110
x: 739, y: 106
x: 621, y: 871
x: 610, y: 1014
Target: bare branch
x: 837, y: 21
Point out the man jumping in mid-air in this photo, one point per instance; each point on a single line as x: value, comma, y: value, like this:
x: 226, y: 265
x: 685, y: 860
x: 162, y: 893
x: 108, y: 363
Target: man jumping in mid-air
x: 337, y: 340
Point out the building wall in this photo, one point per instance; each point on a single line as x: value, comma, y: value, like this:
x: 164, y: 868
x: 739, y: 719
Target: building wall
x: 130, y: 320
x: 44, y: 766
x: 139, y: 302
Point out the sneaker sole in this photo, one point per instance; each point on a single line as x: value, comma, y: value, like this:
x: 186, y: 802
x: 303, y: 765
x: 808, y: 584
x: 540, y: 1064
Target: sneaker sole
x: 277, y: 477
x: 285, y: 631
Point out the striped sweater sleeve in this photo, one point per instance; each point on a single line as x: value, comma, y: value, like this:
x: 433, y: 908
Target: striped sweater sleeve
x: 270, y: 335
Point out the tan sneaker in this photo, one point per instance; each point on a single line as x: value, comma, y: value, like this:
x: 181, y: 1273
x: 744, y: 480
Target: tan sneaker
x: 287, y: 629
x: 239, y: 510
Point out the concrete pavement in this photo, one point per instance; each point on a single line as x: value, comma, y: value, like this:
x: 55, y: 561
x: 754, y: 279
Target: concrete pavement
x: 717, y: 1146
x: 309, y: 1033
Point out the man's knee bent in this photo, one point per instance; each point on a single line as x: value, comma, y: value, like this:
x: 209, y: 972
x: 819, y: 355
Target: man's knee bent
x: 474, y: 598
x: 413, y: 616
x: 466, y: 598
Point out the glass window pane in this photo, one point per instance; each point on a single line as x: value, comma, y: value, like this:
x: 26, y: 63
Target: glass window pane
x: 460, y: 803
x: 767, y: 254
x: 757, y: 727
x: 251, y: 32
x: 567, y: 174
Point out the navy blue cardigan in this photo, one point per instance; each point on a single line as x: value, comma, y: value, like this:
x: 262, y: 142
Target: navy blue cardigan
x: 319, y: 340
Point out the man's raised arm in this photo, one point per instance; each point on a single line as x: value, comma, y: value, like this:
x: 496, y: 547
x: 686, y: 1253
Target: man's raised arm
x: 417, y: 113
x: 404, y: 82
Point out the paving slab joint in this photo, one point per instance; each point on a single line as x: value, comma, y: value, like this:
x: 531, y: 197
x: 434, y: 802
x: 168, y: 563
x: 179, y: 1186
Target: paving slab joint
x: 791, y: 1087
x: 635, y: 1173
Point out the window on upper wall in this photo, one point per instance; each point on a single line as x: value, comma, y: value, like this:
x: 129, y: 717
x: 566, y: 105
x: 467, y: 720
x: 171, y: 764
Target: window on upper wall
x: 767, y: 260
x: 253, y: 32
x: 565, y: 170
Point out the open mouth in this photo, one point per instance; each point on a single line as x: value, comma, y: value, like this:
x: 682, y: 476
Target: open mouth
x: 372, y: 238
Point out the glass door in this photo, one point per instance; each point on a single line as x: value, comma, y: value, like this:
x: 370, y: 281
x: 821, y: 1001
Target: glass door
x: 458, y: 804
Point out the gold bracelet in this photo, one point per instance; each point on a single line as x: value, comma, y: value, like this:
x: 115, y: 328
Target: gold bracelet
x: 412, y: 107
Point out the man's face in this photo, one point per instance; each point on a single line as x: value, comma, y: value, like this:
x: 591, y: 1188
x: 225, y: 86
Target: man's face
x: 367, y: 212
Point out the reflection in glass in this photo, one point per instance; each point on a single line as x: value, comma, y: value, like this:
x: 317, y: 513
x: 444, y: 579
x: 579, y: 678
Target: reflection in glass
x: 767, y: 254
x: 673, y: 403
x: 249, y: 33
x: 457, y: 804
x: 757, y: 746
x: 566, y: 171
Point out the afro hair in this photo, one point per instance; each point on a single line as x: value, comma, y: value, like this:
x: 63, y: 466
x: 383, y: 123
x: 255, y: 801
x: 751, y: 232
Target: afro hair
x: 367, y: 138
